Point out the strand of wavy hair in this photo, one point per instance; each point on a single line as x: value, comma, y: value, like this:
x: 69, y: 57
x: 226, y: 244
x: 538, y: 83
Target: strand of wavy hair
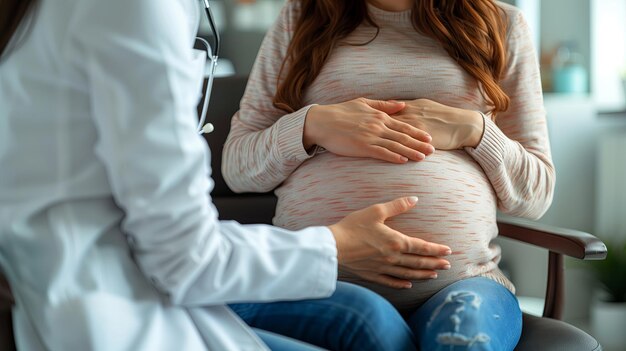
x: 320, y: 26
x: 12, y: 13
x: 473, y: 33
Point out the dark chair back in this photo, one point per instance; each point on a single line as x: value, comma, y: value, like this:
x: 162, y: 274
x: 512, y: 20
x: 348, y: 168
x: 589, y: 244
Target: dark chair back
x: 6, y: 324
x: 244, y: 208
x: 538, y: 334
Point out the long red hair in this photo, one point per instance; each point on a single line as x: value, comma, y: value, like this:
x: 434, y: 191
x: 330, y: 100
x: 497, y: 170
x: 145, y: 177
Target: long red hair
x: 12, y: 12
x: 473, y: 32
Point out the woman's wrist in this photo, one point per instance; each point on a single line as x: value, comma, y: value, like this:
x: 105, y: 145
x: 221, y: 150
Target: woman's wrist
x: 338, y: 242
x: 477, y: 129
x: 309, y: 139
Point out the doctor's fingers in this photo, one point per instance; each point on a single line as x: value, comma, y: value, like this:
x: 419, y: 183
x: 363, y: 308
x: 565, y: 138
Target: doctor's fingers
x: 385, y: 280
x: 421, y: 247
x: 410, y: 262
x: 409, y: 267
x: 409, y: 274
x: 393, y: 243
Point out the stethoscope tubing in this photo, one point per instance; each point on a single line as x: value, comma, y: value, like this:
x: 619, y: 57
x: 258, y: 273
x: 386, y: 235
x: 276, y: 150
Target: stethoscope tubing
x: 212, y: 58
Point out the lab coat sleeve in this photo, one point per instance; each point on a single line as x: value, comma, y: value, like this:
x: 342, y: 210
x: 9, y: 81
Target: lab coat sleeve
x: 144, y: 85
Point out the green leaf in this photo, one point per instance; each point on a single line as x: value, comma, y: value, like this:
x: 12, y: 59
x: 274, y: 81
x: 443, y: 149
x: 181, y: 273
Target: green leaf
x: 611, y: 272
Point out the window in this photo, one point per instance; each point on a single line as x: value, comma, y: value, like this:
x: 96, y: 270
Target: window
x: 608, y: 54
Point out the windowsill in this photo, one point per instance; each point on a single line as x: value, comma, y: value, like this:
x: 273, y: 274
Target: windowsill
x: 551, y: 98
x: 612, y: 114
x: 552, y: 94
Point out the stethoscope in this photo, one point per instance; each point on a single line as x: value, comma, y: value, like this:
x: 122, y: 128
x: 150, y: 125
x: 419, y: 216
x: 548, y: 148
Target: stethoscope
x: 212, y: 59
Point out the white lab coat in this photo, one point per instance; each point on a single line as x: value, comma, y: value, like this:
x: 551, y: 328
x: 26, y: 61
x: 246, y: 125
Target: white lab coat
x: 107, y: 232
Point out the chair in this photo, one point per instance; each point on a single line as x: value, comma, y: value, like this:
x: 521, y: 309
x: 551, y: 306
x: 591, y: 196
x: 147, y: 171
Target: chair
x: 6, y: 325
x: 539, y: 333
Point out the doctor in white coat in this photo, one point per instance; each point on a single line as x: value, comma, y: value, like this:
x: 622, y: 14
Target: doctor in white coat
x: 107, y: 232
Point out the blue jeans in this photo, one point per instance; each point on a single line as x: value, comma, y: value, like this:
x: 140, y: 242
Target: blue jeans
x: 283, y: 343
x: 471, y: 314
x: 353, y: 318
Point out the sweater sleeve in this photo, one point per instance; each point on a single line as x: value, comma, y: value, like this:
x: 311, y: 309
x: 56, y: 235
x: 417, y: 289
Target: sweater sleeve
x: 514, y: 151
x: 265, y: 145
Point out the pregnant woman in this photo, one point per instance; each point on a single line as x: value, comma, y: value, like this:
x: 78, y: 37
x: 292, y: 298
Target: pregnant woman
x: 355, y: 102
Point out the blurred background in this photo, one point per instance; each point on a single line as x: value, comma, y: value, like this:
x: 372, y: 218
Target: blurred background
x: 581, y: 45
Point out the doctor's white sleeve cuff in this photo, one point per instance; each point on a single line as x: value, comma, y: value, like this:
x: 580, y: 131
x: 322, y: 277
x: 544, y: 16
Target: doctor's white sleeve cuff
x: 325, y: 281
x: 261, y: 263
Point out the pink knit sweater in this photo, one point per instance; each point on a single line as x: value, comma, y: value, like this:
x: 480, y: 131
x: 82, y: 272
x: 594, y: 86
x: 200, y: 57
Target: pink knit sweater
x: 459, y: 191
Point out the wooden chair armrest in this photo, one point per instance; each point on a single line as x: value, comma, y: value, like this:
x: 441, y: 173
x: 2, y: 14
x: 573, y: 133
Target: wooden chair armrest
x: 562, y: 241
x: 559, y: 242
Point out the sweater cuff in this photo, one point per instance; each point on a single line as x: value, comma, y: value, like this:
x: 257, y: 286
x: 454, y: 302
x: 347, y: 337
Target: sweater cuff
x: 290, y: 132
x: 492, y: 147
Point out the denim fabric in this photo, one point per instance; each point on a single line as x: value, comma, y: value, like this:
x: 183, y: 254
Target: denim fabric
x: 283, y: 343
x: 471, y: 314
x: 353, y: 318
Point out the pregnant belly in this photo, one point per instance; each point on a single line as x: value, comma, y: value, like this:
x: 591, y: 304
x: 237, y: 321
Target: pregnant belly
x: 457, y: 207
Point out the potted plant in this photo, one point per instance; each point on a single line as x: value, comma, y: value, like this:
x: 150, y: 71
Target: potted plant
x: 608, y: 313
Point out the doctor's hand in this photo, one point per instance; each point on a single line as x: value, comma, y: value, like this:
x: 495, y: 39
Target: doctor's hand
x: 450, y: 127
x: 375, y: 252
x: 364, y: 128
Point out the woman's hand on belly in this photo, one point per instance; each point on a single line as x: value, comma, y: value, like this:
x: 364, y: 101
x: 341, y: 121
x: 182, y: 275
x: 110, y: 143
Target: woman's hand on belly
x: 451, y: 128
x: 373, y: 251
x: 363, y: 128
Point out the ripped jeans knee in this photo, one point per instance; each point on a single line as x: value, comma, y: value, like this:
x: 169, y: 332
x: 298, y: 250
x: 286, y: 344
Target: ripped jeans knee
x: 473, y: 314
x: 463, y: 308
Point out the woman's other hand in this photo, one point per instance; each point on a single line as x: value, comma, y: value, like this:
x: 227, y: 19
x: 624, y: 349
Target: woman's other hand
x: 370, y: 249
x: 364, y: 128
x: 451, y: 128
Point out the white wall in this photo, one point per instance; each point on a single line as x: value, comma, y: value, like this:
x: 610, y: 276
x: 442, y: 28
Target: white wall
x: 566, y: 20
x: 576, y: 132
x: 608, y: 53
x: 571, y: 124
